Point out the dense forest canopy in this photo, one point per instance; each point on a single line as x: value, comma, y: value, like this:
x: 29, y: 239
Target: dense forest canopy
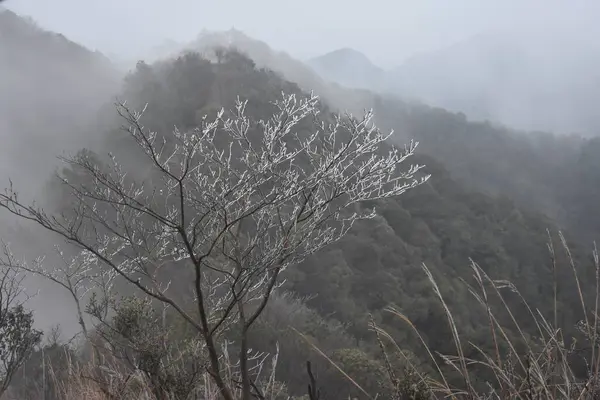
x: 442, y: 224
x: 495, y: 198
x: 531, y: 168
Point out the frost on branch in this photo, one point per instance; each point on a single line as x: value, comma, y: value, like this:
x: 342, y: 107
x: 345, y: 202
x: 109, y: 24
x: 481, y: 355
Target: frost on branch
x: 18, y: 337
x: 227, y: 206
x: 80, y: 276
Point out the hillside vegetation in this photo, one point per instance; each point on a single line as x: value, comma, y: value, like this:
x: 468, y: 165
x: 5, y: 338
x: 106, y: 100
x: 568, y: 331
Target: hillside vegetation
x: 494, y: 200
x: 539, y: 171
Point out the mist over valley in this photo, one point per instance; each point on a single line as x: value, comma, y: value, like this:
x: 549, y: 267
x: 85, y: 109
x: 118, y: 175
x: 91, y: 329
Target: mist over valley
x: 199, y: 200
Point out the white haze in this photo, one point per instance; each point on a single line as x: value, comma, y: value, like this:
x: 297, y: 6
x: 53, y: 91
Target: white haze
x: 539, y: 70
x: 388, y: 32
x: 50, y: 109
x: 549, y: 81
x: 50, y: 93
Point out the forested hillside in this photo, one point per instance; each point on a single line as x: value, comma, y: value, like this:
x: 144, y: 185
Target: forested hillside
x: 378, y: 264
x: 442, y: 223
x: 537, y: 170
x: 495, y: 199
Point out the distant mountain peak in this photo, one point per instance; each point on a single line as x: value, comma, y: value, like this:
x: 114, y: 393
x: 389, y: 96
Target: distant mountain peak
x: 344, y: 56
x: 348, y: 67
x: 348, y: 53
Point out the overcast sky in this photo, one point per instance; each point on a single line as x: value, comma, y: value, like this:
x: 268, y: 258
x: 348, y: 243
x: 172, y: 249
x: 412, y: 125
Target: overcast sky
x: 387, y: 31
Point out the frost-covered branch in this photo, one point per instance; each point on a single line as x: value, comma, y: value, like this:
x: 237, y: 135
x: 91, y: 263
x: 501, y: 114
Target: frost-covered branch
x: 226, y: 208
x: 80, y: 276
x: 18, y: 338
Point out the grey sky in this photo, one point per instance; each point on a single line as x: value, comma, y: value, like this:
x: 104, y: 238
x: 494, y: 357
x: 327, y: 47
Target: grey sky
x: 385, y: 30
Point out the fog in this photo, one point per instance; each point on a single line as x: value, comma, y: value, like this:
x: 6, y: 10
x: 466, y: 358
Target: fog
x: 530, y: 65
x: 49, y: 101
x: 545, y: 82
x: 388, y: 32
x: 50, y: 93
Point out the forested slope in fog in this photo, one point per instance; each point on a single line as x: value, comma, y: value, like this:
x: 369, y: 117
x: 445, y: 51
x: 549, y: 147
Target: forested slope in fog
x: 441, y: 224
x: 495, y: 197
x: 541, y: 171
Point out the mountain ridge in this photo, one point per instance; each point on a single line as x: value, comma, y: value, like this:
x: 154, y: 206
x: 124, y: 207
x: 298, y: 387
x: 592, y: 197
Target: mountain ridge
x: 494, y: 77
x: 443, y: 223
x: 352, y: 69
x: 459, y: 143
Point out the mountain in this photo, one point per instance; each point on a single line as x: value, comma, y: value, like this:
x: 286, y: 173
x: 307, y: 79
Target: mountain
x: 165, y: 49
x: 377, y: 264
x: 51, y: 89
x: 486, y: 200
x: 349, y: 68
x: 501, y: 78
x: 543, y: 84
x: 484, y: 156
x: 336, y: 96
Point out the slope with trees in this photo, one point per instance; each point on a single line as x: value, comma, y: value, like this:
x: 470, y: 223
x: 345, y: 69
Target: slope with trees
x: 230, y: 205
x: 533, y: 169
x: 345, y: 286
x: 334, y: 297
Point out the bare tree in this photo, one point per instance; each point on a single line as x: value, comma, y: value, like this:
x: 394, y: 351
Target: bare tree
x: 79, y: 276
x: 18, y: 338
x: 232, y: 204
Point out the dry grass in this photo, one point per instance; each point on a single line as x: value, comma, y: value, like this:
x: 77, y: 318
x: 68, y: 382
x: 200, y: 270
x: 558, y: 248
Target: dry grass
x: 105, y: 377
x: 542, y: 371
